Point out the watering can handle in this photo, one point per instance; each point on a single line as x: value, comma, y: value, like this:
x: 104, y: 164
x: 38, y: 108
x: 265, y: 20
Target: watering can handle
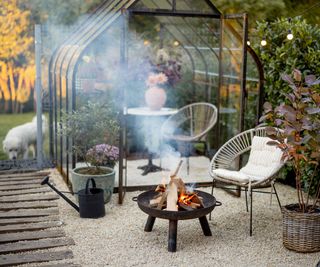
x: 87, y: 185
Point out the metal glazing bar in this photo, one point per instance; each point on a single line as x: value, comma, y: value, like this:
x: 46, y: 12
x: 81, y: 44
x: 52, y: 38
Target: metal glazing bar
x: 174, y: 6
x: 169, y: 13
x: 243, y: 93
x: 212, y: 7
x: 217, y: 139
x: 38, y: 86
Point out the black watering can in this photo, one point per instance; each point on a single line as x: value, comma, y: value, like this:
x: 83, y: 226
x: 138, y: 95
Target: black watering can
x: 91, y: 202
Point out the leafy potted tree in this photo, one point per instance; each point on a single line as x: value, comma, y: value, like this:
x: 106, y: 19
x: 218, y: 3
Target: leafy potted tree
x: 93, y: 132
x: 299, y: 138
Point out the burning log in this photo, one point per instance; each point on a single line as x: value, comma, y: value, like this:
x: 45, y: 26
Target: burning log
x: 156, y: 200
x: 175, y: 196
x: 172, y: 197
x: 198, y: 200
x: 162, y: 200
x: 161, y: 188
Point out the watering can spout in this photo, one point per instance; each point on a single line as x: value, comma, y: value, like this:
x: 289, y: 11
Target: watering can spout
x: 46, y: 181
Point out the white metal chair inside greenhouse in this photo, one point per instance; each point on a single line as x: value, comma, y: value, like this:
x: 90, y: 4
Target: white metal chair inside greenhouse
x: 190, y: 124
x: 260, y: 171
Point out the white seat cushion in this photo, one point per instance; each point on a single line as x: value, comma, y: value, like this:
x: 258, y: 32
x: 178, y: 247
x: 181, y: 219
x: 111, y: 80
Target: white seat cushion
x: 231, y: 175
x: 264, y: 161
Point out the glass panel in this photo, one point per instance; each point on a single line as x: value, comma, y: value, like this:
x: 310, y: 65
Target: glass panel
x: 191, y: 5
x: 52, y: 37
x: 230, y: 91
x: 235, y: 27
x: 98, y: 66
x: 98, y: 75
x: 153, y: 4
x: 185, y: 49
x: 231, y: 84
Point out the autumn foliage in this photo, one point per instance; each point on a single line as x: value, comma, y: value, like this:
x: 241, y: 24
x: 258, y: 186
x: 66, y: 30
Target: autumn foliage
x: 17, y: 70
x: 299, y: 138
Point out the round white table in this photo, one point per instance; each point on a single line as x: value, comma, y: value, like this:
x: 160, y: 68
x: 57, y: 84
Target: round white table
x: 154, y: 127
x: 145, y: 111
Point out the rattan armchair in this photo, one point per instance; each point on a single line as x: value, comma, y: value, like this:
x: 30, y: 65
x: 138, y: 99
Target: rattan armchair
x: 262, y: 167
x: 189, y: 125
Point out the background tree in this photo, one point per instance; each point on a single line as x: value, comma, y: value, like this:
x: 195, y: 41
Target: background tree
x: 17, y: 20
x: 281, y: 55
x: 16, y: 61
x: 260, y: 10
x: 256, y: 9
x: 58, y: 11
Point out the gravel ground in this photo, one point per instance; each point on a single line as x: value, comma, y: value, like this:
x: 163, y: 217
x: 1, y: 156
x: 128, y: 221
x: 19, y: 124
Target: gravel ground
x: 118, y: 239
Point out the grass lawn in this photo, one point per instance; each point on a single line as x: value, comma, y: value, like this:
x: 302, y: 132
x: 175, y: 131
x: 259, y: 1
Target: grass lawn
x: 8, y: 121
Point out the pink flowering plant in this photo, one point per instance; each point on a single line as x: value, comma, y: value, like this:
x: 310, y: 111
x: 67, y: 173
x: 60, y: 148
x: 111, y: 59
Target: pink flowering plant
x: 103, y: 155
x: 156, y: 78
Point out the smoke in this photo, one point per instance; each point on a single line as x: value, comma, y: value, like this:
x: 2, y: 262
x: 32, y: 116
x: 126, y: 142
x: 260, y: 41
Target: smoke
x: 170, y: 158
x: 191, y: 187
x: 100, y: 70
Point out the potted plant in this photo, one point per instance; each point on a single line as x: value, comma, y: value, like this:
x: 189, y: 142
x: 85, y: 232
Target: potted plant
x: 93, y: 132
x: 299, y: 138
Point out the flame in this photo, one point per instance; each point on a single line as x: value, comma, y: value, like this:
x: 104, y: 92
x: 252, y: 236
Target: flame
x: 186, y: 198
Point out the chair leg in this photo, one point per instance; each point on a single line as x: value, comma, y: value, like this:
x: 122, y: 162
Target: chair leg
x: 246, y: 195
x: 250, y: 195
x: 187, y: 157
x: 206, y: 152
x: 213, y: 184
x: 188, y: 166
x: 275, y: 191
x: 160, y: 154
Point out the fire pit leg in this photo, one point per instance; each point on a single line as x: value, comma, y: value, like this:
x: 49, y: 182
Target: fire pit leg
x: 149, y: 224
x: 172, y: 240
x: 205, y: 226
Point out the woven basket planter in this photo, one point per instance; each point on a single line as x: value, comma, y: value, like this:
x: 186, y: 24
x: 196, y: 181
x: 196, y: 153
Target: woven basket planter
x: 301, y: 231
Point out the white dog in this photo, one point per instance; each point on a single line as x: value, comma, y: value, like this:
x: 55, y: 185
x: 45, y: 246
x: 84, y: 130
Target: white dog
x: 20, y: 138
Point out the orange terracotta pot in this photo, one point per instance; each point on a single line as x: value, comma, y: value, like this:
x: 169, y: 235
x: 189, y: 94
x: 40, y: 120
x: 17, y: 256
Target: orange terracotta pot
x: 155, y: 98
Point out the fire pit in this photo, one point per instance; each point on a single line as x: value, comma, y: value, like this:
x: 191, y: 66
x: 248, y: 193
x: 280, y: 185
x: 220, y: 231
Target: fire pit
x: 207, y: 205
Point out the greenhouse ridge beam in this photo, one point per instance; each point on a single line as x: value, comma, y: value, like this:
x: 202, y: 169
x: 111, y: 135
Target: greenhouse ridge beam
x: 169, y: 13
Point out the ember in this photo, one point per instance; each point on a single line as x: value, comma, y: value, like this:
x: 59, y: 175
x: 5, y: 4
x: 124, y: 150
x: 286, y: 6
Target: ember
x: 175, y: 196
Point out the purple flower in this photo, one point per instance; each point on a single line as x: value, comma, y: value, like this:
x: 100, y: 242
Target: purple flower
x: 103, y: 155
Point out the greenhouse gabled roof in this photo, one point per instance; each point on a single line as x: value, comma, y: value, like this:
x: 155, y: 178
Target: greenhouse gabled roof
x: 68, y: 54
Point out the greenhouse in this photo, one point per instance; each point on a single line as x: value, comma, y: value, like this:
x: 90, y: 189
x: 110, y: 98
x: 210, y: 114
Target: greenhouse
x: 111, y: 54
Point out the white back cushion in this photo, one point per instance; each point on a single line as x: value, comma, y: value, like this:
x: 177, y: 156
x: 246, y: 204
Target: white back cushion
x: 264, y: 160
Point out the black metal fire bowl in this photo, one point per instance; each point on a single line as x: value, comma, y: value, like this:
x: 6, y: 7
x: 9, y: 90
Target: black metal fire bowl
x: 209, y: 203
